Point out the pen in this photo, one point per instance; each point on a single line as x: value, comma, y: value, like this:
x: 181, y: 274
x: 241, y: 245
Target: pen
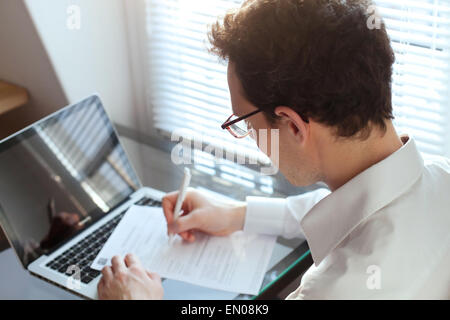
x: 181, y: 195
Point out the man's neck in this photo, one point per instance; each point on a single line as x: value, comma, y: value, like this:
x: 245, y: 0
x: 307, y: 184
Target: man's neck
x: 347, y: 158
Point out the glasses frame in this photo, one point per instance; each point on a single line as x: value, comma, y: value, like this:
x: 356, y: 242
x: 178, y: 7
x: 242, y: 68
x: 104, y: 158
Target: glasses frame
x: 226, y: 125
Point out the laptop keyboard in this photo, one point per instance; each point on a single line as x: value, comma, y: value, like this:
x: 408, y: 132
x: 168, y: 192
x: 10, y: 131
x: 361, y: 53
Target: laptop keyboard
x: 83, y: 253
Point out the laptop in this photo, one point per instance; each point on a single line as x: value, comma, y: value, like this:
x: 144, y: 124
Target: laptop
x: 66, y: 182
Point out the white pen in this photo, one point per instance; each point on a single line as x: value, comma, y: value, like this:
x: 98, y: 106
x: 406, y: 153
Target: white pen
x: 181, y: 195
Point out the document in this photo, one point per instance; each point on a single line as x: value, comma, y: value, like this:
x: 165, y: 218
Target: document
x: 236, y: 263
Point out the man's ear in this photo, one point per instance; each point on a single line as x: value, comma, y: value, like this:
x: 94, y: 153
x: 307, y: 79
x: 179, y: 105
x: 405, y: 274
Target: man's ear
x: 295, y: 124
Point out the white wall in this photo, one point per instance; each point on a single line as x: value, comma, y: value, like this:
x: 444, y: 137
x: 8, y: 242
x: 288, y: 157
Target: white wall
x: 92, y: 59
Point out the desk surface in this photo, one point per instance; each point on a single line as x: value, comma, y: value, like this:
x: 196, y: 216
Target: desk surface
x: 156, y: 170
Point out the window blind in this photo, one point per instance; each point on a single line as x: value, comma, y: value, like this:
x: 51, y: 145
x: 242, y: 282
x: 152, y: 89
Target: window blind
x: 420, y: 36
x: 188, y: 87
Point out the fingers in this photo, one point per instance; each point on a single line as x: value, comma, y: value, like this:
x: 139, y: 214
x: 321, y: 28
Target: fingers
x: 168, y: 205
x: 100, y: 289
x: 132, y: 259
x: 169, y: 201
x: 118, y: 265
x: 107, y: 274
x: 184, y: 223
x: 187, y: 222
x: 187, y: 236
x: 190, y: 237
x: 184, y: 235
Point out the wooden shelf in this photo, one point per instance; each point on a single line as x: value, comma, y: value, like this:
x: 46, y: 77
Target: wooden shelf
x: 11, y: 97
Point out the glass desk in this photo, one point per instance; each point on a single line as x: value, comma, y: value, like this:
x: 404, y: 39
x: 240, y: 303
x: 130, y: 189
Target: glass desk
x: 290, y: 258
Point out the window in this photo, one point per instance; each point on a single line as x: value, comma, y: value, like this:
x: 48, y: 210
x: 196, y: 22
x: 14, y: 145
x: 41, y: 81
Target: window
x: 420, y: 36
x: 188, y: 87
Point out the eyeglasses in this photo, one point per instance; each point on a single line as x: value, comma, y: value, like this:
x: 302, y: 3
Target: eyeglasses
x: 236, y: 127
x: 240, y: 129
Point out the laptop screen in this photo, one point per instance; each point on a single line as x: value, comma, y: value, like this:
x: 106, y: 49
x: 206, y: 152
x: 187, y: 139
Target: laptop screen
x: 59, y: 176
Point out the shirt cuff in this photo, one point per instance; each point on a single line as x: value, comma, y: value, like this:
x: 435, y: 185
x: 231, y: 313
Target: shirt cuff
x: 264, y: 215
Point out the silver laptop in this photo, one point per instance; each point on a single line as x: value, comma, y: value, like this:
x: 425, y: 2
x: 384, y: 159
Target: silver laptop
x: 65, y: 183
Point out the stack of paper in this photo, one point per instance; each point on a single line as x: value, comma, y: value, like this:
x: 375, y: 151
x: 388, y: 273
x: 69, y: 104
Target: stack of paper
x: 236, y: 263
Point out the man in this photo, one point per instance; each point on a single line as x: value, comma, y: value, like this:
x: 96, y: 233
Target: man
x: 313, y: 70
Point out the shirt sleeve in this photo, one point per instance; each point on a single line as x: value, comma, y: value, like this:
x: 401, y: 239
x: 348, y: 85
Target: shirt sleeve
x: 280, y: 216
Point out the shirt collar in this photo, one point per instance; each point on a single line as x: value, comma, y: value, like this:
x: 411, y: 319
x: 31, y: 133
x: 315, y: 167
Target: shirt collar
x: 336, y: 215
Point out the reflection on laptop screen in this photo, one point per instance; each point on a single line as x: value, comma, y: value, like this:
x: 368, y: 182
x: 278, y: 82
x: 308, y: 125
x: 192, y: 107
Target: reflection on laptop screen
x: 59, y: 176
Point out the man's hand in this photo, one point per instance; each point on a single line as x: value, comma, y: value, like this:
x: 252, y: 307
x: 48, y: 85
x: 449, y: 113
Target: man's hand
x: 128, y: 280
x: 201, y: 213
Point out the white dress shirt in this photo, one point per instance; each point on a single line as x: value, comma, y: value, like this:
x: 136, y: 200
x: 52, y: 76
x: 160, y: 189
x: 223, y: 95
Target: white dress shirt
x: 382, y: 235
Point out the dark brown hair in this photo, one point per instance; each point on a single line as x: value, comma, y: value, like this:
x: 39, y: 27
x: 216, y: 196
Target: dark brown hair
x: 318, y: 57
